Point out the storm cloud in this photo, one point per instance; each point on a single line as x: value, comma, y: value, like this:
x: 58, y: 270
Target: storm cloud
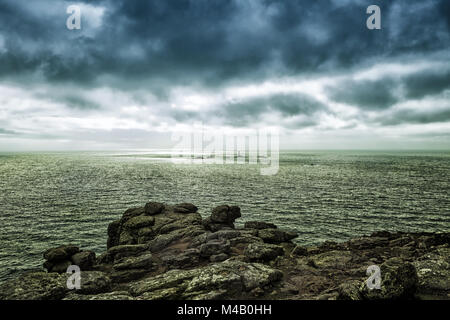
x: 152, y: 66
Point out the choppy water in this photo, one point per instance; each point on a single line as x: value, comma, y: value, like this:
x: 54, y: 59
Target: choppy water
x: 54, y: 198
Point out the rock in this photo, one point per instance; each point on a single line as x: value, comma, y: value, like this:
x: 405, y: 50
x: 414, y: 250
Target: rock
x: 153, y: 208
x: 61, y: 266
x: 93, y: 282
x: 122, y: 251
x: 349, y: 290
x: 368, y: 243
x: 113, y: 234
x: 214, y: 247
x: 35, y: 286
x: 185, y: 208
x: 218, y: 257
x: 399, y: 281
x: 127, y: 275
x: 335, y: 259
x: 224, y: 215
x: 433, y: 270
x: 84, y: 259
x: 164, y: 240
x: 224, y: 235
x: 230, y: 278
x: 259, y: 225
x: 276, y: 236
x: 263, y: 251
x: 144, y: 261
x: 115, y: 295
x: 300, y: 251
x: 185, y: 259
x: 60, y: 253
x: 139, y: 222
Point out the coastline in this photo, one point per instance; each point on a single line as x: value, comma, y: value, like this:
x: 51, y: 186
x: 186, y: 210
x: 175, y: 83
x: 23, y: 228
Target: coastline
x: 170, y: 252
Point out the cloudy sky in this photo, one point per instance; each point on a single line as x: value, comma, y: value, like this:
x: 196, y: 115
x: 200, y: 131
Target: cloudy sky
x: 138, y: 71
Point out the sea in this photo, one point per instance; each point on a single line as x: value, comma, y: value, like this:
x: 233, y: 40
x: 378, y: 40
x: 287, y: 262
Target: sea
x: 53, y: 198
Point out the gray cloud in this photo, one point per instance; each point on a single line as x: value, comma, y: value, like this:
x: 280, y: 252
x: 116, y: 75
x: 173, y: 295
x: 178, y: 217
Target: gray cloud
x: 140, y: 51
x: 366, y: 94
x: 429, y: 83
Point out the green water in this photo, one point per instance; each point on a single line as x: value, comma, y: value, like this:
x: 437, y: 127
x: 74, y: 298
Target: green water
x: 47, y: 199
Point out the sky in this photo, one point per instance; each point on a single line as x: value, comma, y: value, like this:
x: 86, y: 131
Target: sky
x: 139, y: 71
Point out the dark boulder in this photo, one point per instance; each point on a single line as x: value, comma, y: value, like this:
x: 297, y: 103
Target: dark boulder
x: 153, y: 208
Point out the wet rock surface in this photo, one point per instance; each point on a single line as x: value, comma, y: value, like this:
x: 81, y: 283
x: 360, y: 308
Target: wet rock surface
x: 162, y: 251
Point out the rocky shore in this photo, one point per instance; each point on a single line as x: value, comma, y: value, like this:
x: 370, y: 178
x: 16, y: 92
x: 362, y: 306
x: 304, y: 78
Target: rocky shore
x: 164, y: 251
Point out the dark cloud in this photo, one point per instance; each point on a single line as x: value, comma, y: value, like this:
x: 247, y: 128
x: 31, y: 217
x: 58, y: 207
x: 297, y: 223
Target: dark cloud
x: 415, y: 117
x: 251, y: 110
x: 210, y: 42
x: 427, y: 83
x: 366, y: 94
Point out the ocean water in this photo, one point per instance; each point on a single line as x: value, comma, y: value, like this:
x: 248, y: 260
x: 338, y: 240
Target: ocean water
x: 48, y: 199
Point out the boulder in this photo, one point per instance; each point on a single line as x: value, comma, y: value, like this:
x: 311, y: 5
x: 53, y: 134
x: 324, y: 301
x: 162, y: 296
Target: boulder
x: 276, y: 236
x: 259, y: 225
x: 144, y: 261
x: 139, y: 222
x: 398, y: 281
x: 184, y: 259
x: 153, y: 208
x: 60, y: 253
x: 92, y: 282
x: 263, y: 251
x: 60, y: 266
x: 214, y: 247
x: 84, y: 259
x: 232, y: 279
x: 35, y: 286
x: 433, y: 271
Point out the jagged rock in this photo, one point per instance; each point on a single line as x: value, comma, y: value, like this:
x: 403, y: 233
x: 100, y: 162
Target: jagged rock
x: 399, y: 281
x: 60, y: 253
x: 84, y: 259
x: 231, y: 278
x: 218, y: 257
x: 184, y: 259
x: 300, y: 251
x: 35, y: 286
x: 122, y: 251
x: 144, y: 261
x: 349, y: 290
x: 259, y: 225
x: 139, y: 222
x: 368, y: 243
x: 113, y: 234
x: 433, y: 270
x: 214, y: 247
x: 224, y: 235
x: 164, y: 240
x: 153, y: 208
x: 225, y: 214
x: 263, y: 251
x: 133, y: 212
x: 60, y: 266
x: 127, y: 275
x: 276, y: 236
x: 332, y: 260
x: 93, y: 282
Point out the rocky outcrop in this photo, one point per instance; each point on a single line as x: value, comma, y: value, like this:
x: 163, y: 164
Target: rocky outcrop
x: 60, y: 258
x: 162, y: 251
